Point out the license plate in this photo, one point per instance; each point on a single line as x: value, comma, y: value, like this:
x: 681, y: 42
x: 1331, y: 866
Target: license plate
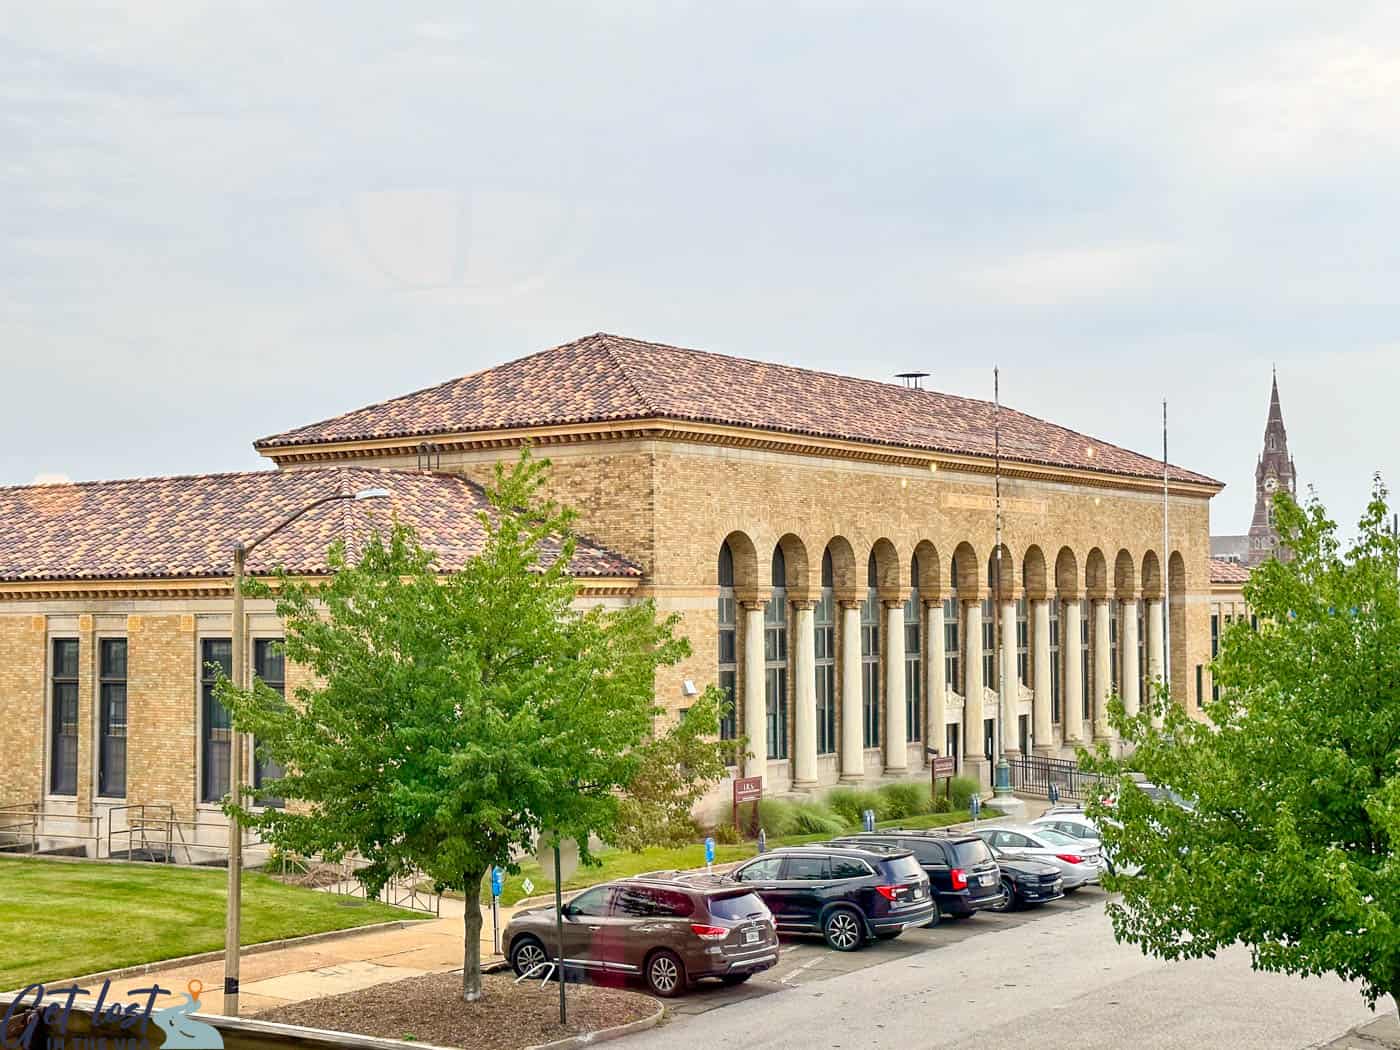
x: 750, y: 936
x: 987, y: 880
x: 918, y: 892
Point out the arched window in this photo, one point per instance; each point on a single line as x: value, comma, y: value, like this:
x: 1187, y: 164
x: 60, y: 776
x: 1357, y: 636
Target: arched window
x: 990, y: 678
x: 952, y: 644
x: 1086, y: 665
x: 913, y: 658
x: 824, y: 619
x: 1114, y: 664
x: 1055, y: 660
x: 870, y: 655
x: 775, y: 659
x: 728, y: 643
x: 1023, y: 641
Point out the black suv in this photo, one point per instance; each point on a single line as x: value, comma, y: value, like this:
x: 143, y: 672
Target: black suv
x: 960, y: 868
x: 848, y: 894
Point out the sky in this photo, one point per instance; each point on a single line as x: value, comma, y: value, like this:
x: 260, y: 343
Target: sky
x: 219, y: 224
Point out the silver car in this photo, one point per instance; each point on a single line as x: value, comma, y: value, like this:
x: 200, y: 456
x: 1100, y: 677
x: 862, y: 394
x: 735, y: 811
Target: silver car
x: 1080, y: 862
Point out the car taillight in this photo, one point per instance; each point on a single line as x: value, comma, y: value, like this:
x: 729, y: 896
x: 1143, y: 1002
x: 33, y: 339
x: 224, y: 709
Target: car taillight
x: 959, y: 879
x: 887, y: 892
x: 1070, y: 858
x: 708, y: 933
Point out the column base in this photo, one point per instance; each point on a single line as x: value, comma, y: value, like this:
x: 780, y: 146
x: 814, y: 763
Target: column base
x: 1045, y: 750
x: 852, y: 778
x: 896, y: 771
x: 804, y: 785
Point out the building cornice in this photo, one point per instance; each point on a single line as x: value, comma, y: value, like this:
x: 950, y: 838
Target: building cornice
x: 221, y: 587
x: 660, y: 429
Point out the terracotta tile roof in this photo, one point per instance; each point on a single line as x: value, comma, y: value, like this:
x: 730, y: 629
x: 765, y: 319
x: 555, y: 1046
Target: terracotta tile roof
x: 1222, y: 571
x: 608, y: 377
x: 182, y: 527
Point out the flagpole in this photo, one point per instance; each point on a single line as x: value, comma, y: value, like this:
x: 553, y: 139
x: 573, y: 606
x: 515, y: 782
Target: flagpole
x: 1001, y: 783
x: 1166, y: 566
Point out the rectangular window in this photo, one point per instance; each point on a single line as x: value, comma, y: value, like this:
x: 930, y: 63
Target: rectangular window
x: 1113, y: 662
x: 1055, y: 662
x: 989, y: 737
x: 1142, y: 653
x: 111, y: 759
x: 952, y: 648
x: 825, y: 623
x: 270, y: 666
x: 1024, y: 731
x: 1214, y: 651
x: 216, y: 654
x: 870, y: 668
x: 1023, y: 642
x: 1086, y: 666
x: 728, y: 663
x: 950, y: 737
x: 1200, y: 672
x: 63, y: 757
x: 913, y: 670
x: 989, y: 645
x: 775, y: 671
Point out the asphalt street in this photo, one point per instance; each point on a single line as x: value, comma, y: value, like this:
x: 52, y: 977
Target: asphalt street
x: 1044, y: 979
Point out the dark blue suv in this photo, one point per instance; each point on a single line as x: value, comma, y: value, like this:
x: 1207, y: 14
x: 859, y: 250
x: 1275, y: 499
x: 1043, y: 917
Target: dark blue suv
x: 847, y: 894
x: 961, y: 869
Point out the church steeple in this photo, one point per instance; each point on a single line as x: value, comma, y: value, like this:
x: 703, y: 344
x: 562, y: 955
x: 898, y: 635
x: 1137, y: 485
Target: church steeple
x: 1274, y: 471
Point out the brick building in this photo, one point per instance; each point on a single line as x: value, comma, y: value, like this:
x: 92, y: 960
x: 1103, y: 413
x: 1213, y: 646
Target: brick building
x: 829, y: 543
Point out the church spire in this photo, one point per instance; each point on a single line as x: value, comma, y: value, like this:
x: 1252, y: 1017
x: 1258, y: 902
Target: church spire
x: 1274, y: 472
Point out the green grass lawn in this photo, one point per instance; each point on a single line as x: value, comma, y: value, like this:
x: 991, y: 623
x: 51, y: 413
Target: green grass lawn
x: 63, y: 920
x: 615, y: 864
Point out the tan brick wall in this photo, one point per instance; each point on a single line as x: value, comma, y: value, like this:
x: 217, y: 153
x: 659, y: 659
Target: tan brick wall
x: 23, y: 698
x: 87, y: 709
x: 162, y: 711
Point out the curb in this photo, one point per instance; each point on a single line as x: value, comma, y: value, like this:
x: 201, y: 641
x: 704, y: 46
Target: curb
x: 141, y: 969
x: 603, y: 1035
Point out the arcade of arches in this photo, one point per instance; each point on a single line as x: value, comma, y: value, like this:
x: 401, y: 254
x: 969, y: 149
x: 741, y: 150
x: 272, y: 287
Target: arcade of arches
x: 842, y: 663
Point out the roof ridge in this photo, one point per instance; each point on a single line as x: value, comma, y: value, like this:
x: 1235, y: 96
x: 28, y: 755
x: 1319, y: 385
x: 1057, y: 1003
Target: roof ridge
x: 606, y: 339
x: 227, y: 474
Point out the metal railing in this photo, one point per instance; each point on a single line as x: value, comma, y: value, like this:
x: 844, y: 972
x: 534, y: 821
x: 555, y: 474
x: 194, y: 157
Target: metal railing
x: 401, y: 891
x: 1035, y: 775
x: 27, y: 823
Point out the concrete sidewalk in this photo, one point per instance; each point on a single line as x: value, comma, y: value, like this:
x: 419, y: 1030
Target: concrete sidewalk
x: 345, y: 964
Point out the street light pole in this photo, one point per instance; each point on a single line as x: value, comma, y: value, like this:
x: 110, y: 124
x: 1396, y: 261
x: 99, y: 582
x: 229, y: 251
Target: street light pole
x: 233, y: 912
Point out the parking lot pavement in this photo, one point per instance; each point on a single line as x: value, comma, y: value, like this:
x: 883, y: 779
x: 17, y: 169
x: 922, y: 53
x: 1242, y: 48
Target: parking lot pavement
x: 804, y: 961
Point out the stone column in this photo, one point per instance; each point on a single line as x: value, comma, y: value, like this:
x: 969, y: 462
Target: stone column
x: 935, y: 733
x: 1128, y: 637
x: 1042, y: 730
x: 755, y: 708
x: 972, y: 677
x: 804, y: 740
x: 1154, y: 649
x: 852, y: 746
x: 1072, y: 649
x: 1103, y: 676
x: 896, y: 720
x: 1009, y: 691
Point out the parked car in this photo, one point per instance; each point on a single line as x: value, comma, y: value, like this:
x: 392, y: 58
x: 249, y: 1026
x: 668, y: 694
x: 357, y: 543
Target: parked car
x: 1078, y: 862
x: 848, y: 894
x: 962, y: 875
x: 1071, y: 821
x: 669, y: 931
x: 1025, y: 882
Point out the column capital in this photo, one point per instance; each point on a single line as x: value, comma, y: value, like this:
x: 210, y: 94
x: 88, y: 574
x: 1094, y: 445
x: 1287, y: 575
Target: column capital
x: 892, y: 603
x: 848, y: 603
x: 753, y: 603
x: 802, y: 603
x: 931, y: 603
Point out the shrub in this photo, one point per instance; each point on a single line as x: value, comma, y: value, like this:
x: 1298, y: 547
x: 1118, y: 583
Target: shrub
x: 905, y: 800
x: 849, y: 803
x: 963, y: 790
x: 941, y: 804
x: 777, y: 817
x: 814, y: 818
x: 726, y: 833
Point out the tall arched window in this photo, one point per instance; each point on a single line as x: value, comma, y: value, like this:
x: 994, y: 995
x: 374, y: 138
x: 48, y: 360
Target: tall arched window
x: 1023, y: 641
x: 913, y: 659
x: 775, y: 659
x: 952, y: 644
x: 1114, y: 664
x: 870, y: 656
x: 825, y: 622
x: 728, y: 643
x: 1086, y: 665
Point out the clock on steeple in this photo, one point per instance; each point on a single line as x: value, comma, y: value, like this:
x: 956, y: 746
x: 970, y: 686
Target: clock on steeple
x: 1274, y: 471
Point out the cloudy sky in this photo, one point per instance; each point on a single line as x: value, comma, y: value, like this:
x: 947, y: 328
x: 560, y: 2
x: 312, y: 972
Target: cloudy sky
x: 219, y: 224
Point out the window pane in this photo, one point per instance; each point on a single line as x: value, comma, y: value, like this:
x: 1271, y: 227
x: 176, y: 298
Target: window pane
x: 111, y: 759
x: 63, y: 752
x: 217, y: 730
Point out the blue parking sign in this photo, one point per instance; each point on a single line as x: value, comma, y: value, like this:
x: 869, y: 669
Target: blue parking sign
x: 498, y: 881
x: 709, y: 851
x: 974, y: 806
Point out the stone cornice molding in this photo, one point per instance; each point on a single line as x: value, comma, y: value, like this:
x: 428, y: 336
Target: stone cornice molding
x: 219, y: 587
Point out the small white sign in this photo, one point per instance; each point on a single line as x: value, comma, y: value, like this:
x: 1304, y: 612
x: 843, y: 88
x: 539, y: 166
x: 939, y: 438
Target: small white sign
x: 527, y: 886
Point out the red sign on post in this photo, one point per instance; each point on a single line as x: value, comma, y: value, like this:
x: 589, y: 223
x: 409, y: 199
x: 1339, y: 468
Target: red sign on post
x: 747, y: 789
x: 944, y: 766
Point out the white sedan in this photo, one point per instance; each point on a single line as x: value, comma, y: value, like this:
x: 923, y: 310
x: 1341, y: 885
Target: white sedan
x: 1079, y: 862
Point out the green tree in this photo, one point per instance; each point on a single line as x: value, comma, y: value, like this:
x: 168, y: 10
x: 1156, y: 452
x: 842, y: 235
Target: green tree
x: 454, y: 716
x: 1287, y: 842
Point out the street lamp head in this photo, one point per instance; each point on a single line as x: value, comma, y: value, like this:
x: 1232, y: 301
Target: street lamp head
x: 372, y: 494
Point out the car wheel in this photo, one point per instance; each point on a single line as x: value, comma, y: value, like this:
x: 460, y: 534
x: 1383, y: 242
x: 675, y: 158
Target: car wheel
x: 1009, y: 901
x: 526, y: 954
x: 665, y: 974
x: 735, y: 978
x: 936, y: 918
x: 842, y: 930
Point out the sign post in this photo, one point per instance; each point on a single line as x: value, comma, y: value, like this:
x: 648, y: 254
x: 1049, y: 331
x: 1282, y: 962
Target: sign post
x: 559, y: 926
x: 974, y: 804
x: 498, y: 883
x: 941, y: 767
x: 747, y: 789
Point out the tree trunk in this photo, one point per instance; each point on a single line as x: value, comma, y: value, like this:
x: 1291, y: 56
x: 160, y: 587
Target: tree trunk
x: 471, y: 947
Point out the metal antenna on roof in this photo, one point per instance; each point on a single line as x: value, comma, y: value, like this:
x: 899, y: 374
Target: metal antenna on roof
x: 912, y: 379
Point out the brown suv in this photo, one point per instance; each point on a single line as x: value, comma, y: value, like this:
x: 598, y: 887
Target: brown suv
x: 666, y: 929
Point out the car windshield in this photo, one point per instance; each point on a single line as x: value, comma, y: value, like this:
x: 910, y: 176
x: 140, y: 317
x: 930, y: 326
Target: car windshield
x: 970, y: 854
x: 905, y: 867
x: 738, y: 906
x: 1054, y: 838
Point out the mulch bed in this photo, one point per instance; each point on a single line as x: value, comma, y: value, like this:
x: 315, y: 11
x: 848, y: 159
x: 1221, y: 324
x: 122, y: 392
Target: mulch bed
x: 430, y: 1009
